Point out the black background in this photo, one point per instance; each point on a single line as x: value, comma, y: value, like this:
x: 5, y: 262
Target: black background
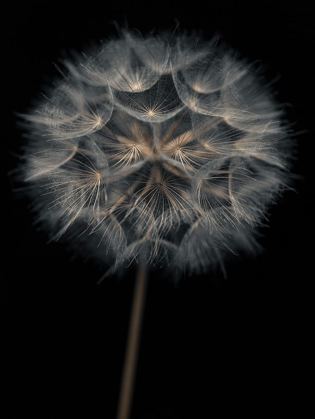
x: 210, y: 347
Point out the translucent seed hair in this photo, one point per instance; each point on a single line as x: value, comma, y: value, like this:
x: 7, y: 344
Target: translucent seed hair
x: 172, y: 148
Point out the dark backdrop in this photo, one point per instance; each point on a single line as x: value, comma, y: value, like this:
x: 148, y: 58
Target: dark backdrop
x: 210, y: 347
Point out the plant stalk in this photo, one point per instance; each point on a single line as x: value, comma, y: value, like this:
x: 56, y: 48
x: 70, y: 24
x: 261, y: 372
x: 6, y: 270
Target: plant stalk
x: 128, y: 377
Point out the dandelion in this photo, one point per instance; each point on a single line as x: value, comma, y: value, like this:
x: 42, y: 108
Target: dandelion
x: 167, y: 152
x: 164, y: 140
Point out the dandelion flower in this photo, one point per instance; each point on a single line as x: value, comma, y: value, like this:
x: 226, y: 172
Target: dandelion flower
x: 167, y: 152
x: 172, y: 150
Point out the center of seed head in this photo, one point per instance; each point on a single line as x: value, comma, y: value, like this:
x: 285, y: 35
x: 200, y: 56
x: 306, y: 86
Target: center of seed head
x: 136, y: 87
x: 98, y: 122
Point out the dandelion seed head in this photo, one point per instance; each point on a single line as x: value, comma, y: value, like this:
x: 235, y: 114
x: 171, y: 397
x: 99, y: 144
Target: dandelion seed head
x: 172, y: 149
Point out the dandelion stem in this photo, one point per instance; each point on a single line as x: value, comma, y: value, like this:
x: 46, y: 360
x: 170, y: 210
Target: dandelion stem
x: 128, y: 377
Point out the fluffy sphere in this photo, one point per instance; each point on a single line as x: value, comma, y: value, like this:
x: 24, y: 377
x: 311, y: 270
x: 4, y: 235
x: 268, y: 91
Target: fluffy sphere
x: 172, y: 150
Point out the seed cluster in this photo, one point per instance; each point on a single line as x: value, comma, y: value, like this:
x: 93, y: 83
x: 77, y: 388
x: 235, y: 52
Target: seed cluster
x: 174, y: 150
